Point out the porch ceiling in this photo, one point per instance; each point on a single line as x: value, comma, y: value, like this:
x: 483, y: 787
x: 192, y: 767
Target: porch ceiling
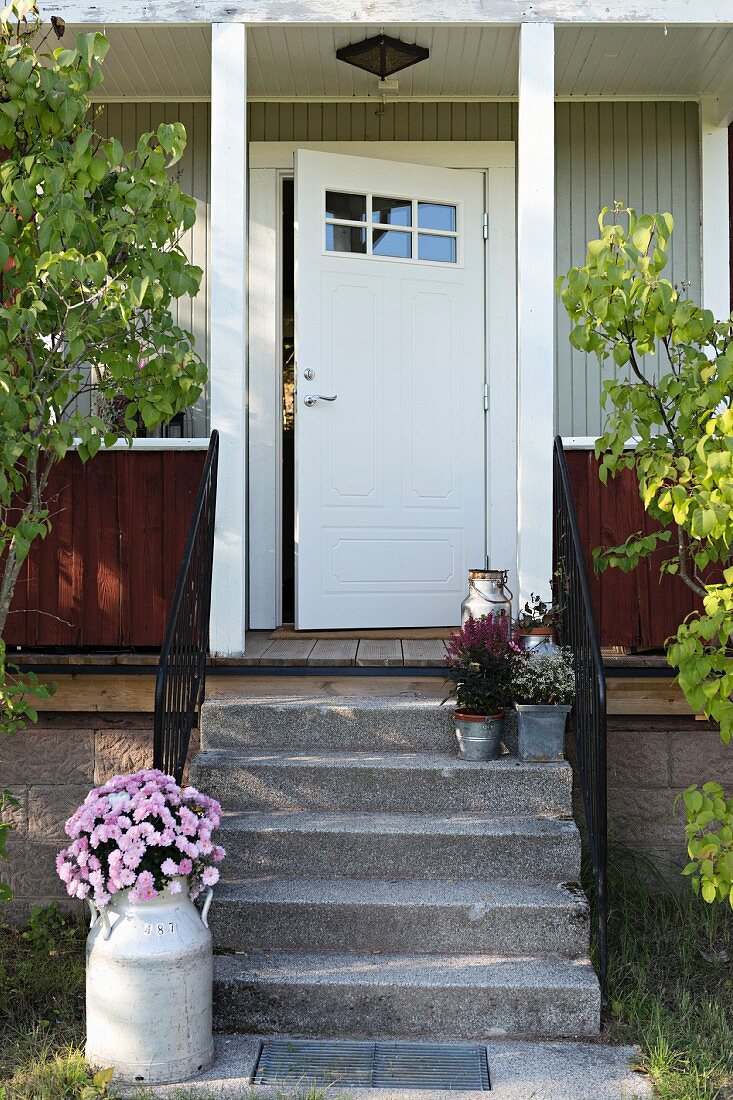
x: 291, y: 62
x: 288, y: 62
x: 153, y: 62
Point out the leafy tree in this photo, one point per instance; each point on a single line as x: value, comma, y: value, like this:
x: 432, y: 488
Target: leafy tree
x: 90, y: 263
x: 672, y: 422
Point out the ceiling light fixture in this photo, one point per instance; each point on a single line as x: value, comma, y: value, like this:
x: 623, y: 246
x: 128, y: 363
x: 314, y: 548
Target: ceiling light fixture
x: 383, y: 56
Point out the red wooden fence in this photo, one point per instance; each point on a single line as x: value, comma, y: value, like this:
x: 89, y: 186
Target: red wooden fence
x: 632, y: 609
x: 105, y: 575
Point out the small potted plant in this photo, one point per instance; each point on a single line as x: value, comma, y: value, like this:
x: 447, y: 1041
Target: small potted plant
x: 479, y: 659
x: 544, y: 688
x: 537, y: 624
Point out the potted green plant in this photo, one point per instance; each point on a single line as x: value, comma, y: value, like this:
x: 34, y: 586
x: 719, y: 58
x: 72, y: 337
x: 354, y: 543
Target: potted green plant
x: 538, y: 622
x: 543, y: 686
x: 479, y: 665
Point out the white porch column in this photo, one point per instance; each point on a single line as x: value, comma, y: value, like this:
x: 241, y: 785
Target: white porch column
x: 536, y: 306
x: 228, y: 365
x: 715, y: 213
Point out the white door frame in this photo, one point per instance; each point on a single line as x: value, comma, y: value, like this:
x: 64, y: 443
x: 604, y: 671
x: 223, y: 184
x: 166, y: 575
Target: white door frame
x: 269, y: 162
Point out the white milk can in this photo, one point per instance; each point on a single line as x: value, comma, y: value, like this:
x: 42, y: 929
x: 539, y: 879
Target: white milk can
x: 149, y: 987
x: 488, y: 594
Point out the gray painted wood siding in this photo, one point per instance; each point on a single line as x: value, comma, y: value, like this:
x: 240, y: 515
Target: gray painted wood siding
x: 398, y: 122
x: 127, y: 121
x: 643, y: 154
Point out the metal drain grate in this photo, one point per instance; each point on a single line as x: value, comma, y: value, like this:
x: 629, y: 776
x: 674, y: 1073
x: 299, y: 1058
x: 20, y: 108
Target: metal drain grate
x: 452, y: 1067
x: 430, y: 1066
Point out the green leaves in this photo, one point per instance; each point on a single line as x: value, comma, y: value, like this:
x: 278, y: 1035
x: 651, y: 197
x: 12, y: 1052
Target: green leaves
x: 709, y: 835
x: 673, y: 424
x: 627, y: 556
x: 91, y: 264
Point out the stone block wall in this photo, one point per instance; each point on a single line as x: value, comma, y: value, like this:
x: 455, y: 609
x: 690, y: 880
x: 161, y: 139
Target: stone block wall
x: 650, y: 761
x: 50, y: 768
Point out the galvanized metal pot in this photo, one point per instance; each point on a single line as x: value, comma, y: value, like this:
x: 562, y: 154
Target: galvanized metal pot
x: 541, y: 731
x: 479, y: 738
x: 149, y: 985
x: 539, y: 640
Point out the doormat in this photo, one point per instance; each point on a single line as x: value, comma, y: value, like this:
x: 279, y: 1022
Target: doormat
x: 415, y: 633
x: 318, y: 1063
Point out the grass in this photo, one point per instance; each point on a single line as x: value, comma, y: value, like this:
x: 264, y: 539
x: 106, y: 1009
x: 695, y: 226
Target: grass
x: 670, y: 992
x: 42, y: 1009
x: 200, y: 1094
x: 42, y: 1017
x: 670, y: 984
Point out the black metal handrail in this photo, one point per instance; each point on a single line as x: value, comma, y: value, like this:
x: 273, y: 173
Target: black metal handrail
x: 578, y: 631
x: 181, y: 679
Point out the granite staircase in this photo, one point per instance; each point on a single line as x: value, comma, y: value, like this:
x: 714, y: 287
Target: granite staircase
x: 376, y: 885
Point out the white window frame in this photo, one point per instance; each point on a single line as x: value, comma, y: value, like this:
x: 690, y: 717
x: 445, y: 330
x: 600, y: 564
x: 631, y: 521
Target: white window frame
x: 269, y: 163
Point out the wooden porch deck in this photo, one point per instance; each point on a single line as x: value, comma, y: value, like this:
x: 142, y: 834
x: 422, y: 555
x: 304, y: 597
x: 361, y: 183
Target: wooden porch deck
x: 332, y: 650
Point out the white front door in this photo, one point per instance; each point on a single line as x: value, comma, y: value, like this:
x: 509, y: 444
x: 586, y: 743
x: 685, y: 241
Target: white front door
x: 390, y: 326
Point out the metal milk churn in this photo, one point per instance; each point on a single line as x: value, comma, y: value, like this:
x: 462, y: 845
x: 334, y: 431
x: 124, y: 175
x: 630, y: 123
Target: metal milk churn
x: 148, y: 991
x: 488, y: 594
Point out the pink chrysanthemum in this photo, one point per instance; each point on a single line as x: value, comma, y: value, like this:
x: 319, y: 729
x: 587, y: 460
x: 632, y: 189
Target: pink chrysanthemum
x: 130, y: 834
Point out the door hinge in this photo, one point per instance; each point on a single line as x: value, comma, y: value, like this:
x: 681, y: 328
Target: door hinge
x: 486, y: 226
x: 486, y: 396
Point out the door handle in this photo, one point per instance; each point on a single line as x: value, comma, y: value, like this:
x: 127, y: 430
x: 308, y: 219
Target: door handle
x: 311, y: 398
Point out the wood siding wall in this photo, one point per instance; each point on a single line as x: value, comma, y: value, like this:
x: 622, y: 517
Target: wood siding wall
x: 106, y: 573
x: 127, y: 121
x: 645, y: 155
x: 632, y: 609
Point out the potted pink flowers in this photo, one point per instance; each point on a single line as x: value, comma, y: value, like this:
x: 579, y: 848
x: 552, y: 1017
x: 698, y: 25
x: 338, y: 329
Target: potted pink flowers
x: 479, y: 664
x: 142, y: 850
x: 144, y: 834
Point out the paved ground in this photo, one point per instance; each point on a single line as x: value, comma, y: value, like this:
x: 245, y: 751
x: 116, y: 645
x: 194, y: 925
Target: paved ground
x: 519, y: 1071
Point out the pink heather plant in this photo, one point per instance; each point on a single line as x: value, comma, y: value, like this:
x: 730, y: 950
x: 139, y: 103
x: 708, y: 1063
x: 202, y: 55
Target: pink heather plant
x: 140, y: 832
x: 489, y: 636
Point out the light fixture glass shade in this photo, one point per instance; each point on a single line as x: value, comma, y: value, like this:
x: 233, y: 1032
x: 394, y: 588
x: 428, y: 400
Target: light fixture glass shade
x: 383, y: 56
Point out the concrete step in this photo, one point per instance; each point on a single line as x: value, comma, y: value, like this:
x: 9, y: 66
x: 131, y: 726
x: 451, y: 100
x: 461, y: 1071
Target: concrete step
x: 375, y: 781
x: 310, y: 914
x: 340, y: 723
x: 401, y: 846
x: 406, y: 995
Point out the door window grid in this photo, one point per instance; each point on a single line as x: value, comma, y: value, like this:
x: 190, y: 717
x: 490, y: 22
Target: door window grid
x: 393, y: 228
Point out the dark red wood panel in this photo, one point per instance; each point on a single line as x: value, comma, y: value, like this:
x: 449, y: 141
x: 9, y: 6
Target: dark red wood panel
x: 105, y: 574
x: 632, y: 609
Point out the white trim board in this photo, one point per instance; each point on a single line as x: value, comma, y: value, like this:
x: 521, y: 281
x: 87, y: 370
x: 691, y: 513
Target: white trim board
x: 228, y: 319
x: 714, y: 200
x: 187, y: 443
x: 443, y: 154
x: 269, y: 162
x: 536, y: 309
x: 387, y: 11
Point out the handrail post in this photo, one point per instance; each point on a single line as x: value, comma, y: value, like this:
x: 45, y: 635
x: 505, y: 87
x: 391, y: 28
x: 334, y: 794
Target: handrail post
x: 579, y: 632
x: 181, y: 679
